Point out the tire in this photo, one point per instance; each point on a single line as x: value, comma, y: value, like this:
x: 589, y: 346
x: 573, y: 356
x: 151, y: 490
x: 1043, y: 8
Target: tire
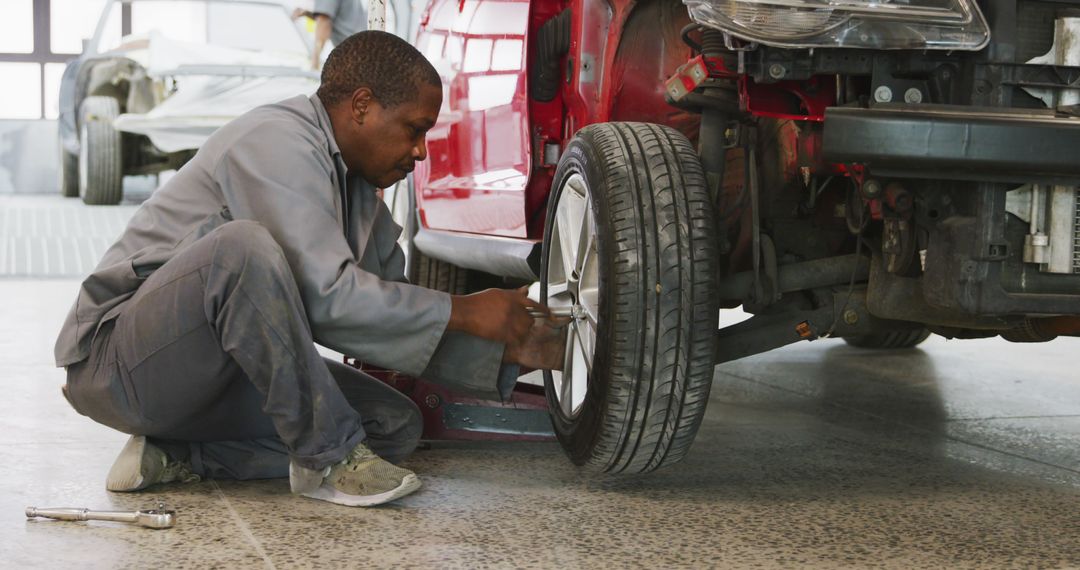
x: 890, y: 340
x: 643, y: 296
x: 439, y: 275
x: 100, y: 167
x: 69, y: 174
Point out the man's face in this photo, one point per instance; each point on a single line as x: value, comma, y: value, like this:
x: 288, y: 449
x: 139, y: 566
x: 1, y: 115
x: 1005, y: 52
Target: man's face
x: 390, y: 141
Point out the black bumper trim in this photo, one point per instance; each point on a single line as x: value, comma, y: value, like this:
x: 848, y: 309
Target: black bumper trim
x: 952, y: 142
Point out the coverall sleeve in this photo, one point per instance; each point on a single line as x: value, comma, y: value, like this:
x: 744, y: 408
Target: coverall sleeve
x: 327, y: 7
x: 462, y: 361
x: 282, y: 177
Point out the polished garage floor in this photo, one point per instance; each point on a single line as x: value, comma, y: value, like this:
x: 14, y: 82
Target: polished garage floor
x: 956, y: 455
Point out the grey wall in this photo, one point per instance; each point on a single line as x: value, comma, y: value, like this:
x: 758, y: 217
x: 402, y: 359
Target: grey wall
x: 29, y: 157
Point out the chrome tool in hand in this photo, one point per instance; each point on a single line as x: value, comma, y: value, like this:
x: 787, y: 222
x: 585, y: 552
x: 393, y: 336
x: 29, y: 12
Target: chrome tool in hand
x: 156, y: 518
x: 558, y: 318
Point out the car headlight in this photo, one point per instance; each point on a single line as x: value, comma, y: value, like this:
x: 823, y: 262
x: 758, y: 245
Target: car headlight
x: 874, y: 24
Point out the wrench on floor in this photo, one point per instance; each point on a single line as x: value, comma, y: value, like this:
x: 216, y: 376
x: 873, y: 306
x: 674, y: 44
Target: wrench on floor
x: 155, y: 518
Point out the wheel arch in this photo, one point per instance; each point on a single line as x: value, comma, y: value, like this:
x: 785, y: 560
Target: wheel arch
x: 649, y: 49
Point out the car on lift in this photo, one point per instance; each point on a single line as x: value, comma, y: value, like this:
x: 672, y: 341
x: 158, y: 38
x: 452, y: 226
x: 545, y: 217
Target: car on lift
x: 874, y: 171
x: 144, y: 102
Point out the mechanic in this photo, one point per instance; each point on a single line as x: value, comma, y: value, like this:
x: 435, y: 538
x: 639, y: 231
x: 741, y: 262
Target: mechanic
x: 196, y: 331
x: 334, y: 20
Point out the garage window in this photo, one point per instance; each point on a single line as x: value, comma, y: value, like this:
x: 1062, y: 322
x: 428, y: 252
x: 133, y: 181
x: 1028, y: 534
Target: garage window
x: 24, y: 101
x: 71, y: 22
x: 31, y: 62
x: 16, y: 27
x: 53, y: 73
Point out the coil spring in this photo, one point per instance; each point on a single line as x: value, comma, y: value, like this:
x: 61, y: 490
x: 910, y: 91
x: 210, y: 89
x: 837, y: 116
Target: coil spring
x: 712, y: 42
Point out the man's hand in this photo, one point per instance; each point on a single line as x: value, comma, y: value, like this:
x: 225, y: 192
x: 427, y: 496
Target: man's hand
x: 502, y: 315
x: 544, y: 348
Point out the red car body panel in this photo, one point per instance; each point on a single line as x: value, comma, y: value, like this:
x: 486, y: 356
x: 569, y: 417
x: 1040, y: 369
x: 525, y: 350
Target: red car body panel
x: 486, y: 172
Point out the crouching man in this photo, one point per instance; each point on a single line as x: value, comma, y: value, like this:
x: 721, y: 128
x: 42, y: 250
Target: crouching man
x: 196, y: 331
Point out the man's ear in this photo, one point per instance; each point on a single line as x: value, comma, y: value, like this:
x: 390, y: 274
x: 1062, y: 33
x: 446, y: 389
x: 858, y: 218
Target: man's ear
x: 360, y: 104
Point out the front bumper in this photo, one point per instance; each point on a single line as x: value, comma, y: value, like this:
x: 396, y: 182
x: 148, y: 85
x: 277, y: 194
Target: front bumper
x: 955, y: 142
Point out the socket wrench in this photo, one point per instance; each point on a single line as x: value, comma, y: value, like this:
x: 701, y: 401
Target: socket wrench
x: 155, y: 518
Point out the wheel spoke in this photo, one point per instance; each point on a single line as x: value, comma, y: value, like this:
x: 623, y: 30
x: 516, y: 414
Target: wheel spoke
x: 556, y: 271
x: 579, y: 387
x: 566, y: 229
x: 582, y: 334
x: 577, y: 384
x: 584, y: 238
x: 566, y: 390
x: 558, y: 294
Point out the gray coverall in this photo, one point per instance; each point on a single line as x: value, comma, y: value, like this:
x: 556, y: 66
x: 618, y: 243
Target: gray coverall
x: 348, y: 17
x: 199, y: 323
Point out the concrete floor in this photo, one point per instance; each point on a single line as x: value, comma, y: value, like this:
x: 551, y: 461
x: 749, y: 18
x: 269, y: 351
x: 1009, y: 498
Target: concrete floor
x: 956, y: 455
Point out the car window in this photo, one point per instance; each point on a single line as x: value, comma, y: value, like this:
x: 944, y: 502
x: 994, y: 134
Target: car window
x: 433, y: 47
x: 507, y: 55
x: 477, y: 55
x: 17, y: 27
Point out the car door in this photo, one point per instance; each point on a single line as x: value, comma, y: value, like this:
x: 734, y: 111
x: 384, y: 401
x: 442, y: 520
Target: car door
x: 479, y: 153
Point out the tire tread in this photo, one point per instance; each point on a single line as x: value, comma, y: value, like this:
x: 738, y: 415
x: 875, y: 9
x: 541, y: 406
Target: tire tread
x: 104, y: 184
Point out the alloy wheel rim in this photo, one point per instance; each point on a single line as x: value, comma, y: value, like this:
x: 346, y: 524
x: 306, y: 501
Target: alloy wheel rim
x: 574, y: 290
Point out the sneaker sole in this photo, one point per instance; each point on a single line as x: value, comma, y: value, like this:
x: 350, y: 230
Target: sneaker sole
x: 128, y: 472
x: 327, y: 492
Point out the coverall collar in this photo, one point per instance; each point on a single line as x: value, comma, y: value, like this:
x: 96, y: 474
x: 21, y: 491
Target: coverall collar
x: 324, y: 123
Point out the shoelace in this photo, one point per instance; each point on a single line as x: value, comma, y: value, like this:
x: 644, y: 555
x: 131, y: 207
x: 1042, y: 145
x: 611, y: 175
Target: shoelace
x: 359, y: 454
x: 179, y: 471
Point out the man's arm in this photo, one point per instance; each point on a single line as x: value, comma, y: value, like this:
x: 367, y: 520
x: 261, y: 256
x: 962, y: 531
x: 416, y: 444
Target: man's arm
x: 279, y: 176
x: 323, y: 26
x: 481, y: 314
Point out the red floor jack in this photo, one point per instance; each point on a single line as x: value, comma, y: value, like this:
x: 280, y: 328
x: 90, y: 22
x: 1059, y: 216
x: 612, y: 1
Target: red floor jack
x: 449, y: 416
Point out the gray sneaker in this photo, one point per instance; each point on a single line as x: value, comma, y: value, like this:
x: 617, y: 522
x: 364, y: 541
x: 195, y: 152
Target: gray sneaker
x: 141, y: 464
x: 362, y: 479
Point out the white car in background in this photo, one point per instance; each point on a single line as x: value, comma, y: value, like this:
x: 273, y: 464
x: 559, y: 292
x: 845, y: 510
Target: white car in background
x: 144, y: 103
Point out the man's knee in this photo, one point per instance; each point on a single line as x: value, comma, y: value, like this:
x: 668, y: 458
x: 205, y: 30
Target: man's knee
x: 242, y: 241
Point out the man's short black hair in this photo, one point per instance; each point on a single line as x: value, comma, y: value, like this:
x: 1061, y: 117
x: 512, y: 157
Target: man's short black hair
x: 380, y: 61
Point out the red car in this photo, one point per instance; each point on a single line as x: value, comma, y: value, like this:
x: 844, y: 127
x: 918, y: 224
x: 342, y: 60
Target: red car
x: 875, y: 171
